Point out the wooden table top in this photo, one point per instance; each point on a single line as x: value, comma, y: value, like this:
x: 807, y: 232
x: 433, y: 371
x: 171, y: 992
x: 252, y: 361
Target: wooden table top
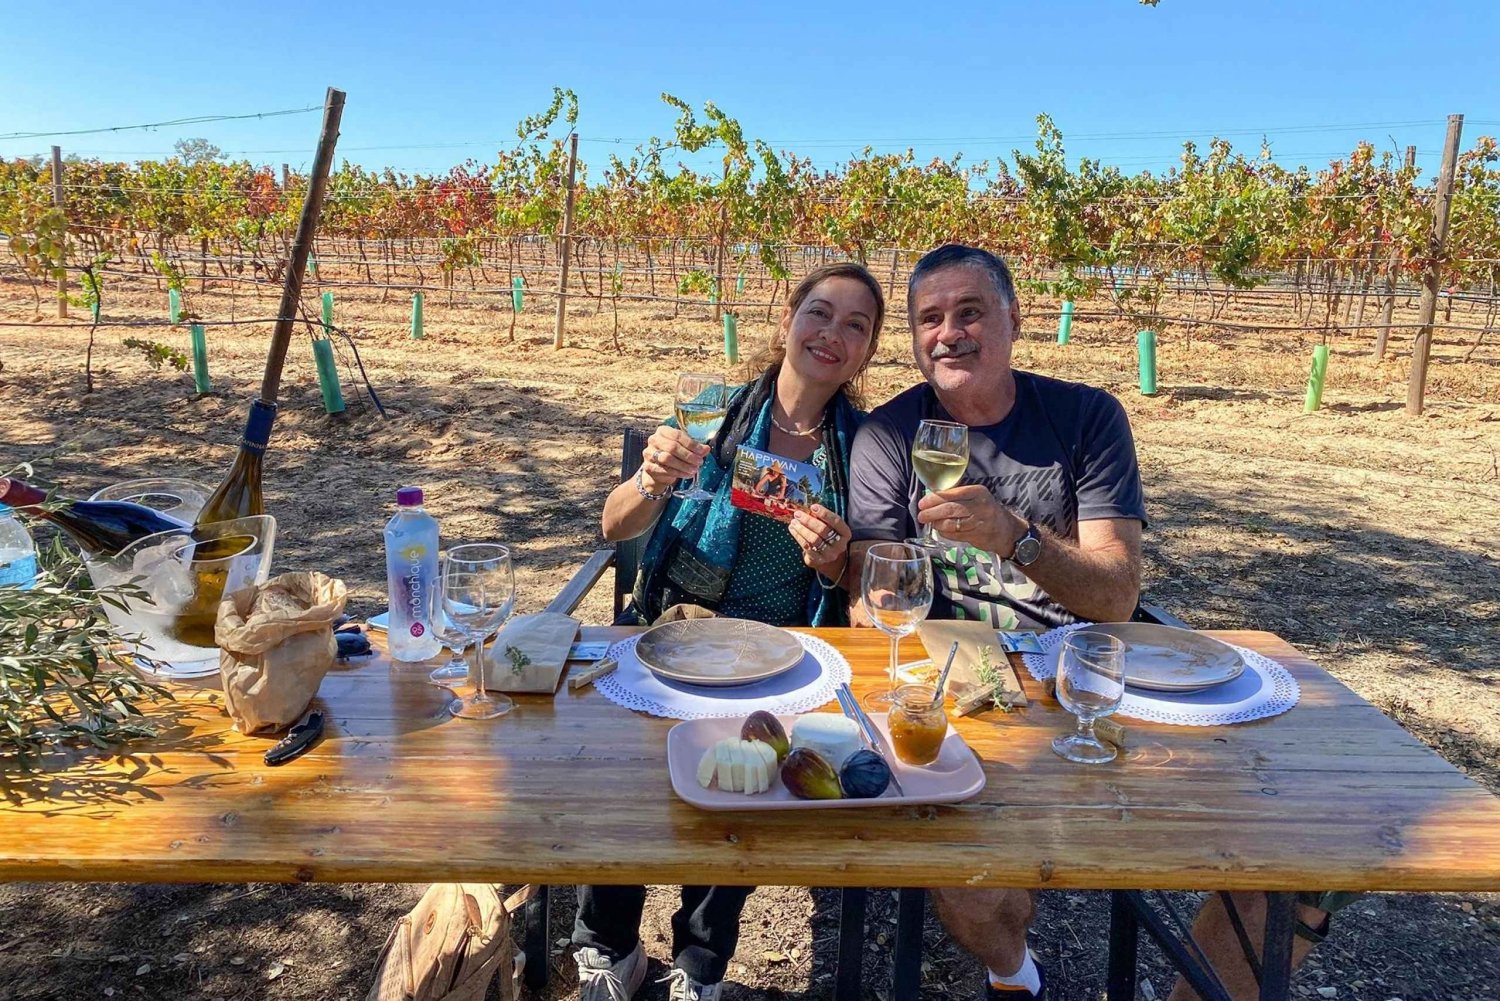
x: 572, y: 788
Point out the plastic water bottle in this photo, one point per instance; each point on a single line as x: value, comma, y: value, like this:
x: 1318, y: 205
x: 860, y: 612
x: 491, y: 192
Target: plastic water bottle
x: 411, y: 568
x: 17, y: 551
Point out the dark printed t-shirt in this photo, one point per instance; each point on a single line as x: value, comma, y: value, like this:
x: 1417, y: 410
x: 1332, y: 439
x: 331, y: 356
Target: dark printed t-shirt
x: 1062, y: 455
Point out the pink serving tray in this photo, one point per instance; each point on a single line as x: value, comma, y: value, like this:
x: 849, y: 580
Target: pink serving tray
x: 953, y: 777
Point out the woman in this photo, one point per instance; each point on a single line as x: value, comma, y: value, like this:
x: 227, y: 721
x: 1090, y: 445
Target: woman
x: 802, y: 403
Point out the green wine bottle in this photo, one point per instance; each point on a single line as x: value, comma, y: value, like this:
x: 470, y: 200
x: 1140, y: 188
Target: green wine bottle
x: 239, y: 495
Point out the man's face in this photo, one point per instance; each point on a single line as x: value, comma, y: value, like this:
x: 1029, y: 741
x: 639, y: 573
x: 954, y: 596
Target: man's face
x: 962, y: 333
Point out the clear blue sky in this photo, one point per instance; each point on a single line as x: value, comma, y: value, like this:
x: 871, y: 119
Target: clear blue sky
x: 819, y: 78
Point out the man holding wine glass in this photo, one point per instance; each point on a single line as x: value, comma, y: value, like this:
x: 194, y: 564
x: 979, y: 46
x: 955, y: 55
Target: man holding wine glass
x: 996, y: 467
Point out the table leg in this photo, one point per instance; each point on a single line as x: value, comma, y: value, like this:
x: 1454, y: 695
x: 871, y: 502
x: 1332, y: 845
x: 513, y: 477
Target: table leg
x: 1276, y: 954
x: 849, y: 972
x: 1200, y: 976
x: 535, y: 914
x: 1124, y: 936
x: 906, y: 978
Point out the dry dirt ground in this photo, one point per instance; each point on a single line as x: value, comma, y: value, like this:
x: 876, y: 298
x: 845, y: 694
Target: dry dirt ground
x: 1367, y: 538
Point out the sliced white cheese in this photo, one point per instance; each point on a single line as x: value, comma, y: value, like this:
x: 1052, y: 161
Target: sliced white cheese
x: 707, y: 765
x: 724, y: 766
x: 832, y: 736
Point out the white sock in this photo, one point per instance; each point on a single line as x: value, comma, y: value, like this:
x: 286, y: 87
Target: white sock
x: 1028, y: 976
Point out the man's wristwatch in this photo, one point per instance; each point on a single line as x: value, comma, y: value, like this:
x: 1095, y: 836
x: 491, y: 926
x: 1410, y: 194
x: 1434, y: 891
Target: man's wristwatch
x: 1028, y: 547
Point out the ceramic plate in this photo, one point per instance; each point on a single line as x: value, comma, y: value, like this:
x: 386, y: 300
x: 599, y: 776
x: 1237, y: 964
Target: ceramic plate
x: 954, y: 777
x: 718, y: 652
x: 1167, y: 659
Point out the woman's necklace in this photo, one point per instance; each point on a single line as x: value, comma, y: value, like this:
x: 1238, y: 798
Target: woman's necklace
x: 795, y: 433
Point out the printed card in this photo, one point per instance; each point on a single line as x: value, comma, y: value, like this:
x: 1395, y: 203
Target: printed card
x: 773, y: 485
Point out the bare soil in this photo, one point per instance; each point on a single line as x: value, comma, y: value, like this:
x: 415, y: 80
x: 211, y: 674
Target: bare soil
x: 1366, y: 537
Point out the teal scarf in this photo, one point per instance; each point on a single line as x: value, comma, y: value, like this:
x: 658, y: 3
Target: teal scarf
x: 690, y: 555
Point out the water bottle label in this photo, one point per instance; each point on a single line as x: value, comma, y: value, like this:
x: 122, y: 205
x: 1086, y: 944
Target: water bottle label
x: 416, y: 589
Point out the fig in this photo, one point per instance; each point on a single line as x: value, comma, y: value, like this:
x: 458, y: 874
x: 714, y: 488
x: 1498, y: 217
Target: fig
x: 808, y: 775
x: 865, y: 775
x: 762, y: 726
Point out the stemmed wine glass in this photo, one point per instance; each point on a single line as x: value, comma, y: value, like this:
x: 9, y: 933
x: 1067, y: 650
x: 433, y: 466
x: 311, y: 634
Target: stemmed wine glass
x: 896, y: 589
x: 939, y: 454
x: 479, y: 593
x: 1090, y: 684
x: 701, y: 401
x: 457, y: 668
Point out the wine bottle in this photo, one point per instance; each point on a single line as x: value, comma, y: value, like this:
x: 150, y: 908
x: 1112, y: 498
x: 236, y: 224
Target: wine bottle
x: 239, y: 495
x: 101, y: 528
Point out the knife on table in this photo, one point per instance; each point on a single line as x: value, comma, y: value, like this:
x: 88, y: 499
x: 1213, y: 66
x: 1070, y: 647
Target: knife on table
x: 867, y: 728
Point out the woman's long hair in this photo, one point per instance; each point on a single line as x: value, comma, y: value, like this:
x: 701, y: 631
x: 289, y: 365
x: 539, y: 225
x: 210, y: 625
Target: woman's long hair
x: 772, y: 354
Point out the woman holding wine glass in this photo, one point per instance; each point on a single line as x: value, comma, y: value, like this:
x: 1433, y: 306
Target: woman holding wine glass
x: 801, y: 402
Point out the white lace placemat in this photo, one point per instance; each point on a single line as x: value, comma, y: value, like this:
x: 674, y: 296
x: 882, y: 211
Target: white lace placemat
x: 1265, y: 689
x: 804, y: 688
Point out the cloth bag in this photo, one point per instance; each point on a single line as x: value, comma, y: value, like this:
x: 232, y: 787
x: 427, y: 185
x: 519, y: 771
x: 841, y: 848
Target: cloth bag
x: 449, y: 947
x: 275, y: 644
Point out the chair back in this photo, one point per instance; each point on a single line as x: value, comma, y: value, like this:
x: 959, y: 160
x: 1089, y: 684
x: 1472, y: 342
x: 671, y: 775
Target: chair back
x: 628, y: 553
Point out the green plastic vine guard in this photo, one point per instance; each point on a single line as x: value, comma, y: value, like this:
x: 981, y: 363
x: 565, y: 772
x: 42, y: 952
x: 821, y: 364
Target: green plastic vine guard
x: 731, y: 340
x: 1315, y: 379
x: 174, y: 305
x: 416, y: 316
x: 739, y: 284
x: 328, y: 376
x: 1145, y: 346
x: 517, y: 286
x: 200, y: 360
x: 1065, y: 323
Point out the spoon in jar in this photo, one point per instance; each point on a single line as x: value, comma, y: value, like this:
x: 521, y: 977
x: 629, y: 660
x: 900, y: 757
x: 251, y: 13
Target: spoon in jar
x: 943, y: 678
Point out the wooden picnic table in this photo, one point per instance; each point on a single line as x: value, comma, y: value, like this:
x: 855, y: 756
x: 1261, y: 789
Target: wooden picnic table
x: 572, y: 788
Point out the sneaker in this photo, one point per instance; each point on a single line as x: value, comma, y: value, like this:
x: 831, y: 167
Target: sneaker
x: 685, y: 988
x: 601, y: 980
x: 993, y: 993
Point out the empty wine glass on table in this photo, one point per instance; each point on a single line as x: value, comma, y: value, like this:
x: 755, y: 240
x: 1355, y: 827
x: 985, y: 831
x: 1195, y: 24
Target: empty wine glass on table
x: 896, y: 589
x: 701, y: 401
x: 939, y: 454
x: 456, y: 670
x: 1090, y: 684
x: 479, y: 593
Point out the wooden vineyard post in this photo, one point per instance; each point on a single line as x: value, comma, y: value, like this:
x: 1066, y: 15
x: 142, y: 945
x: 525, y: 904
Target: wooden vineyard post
x: 57, y: 201
x: 307, y: 228
x: 1389, y: 309
x: 286, y: 176
x: 565, y: 251
x: 1416, y: 386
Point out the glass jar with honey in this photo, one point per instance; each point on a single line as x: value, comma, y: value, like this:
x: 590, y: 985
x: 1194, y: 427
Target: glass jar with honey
x: 917, y: 724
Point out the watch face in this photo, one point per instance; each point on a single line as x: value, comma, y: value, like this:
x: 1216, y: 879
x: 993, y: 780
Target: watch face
x: 1028, y: 549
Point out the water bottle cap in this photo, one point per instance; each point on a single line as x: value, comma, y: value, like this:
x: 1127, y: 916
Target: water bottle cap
x: 409, y: 496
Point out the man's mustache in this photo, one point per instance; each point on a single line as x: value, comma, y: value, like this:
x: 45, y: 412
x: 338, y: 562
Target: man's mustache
x: 956, y: 350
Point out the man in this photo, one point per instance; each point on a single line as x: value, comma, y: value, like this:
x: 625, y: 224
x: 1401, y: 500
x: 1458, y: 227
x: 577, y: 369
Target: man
x: 1053, y: 487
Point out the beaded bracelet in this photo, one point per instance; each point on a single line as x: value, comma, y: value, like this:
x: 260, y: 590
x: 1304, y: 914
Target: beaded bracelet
x: 640, y: 487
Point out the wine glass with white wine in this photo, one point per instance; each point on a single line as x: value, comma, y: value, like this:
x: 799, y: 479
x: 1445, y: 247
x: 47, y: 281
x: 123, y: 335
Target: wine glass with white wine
x: 939, y: 454
x: 896, y: 588
x: 701, y: 401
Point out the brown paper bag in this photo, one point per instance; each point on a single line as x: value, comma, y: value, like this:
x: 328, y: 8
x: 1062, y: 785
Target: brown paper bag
x: 540, y: 642
x: 979, y: 652
x: 275, y: 644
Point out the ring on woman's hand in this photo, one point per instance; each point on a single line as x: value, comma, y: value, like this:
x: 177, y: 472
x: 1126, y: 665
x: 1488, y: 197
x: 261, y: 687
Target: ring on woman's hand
x: 656, y: 456
x: 831, y: 538
x: 958, y: 523
x: 819, y: 546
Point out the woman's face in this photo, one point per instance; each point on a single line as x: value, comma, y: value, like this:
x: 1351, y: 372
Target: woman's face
x: 829, y: 338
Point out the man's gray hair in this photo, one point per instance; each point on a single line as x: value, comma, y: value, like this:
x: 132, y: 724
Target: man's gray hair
x: 956, y: 255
